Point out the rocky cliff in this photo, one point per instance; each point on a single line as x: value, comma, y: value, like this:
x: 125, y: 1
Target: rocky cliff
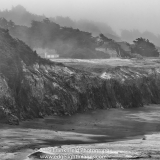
x: 34, y: 87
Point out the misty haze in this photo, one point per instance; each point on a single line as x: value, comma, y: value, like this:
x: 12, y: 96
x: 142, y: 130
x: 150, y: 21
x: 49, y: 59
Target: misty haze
x: 79, y: 79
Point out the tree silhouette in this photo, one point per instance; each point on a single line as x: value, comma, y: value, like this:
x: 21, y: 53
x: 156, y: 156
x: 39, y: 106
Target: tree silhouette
x: 145, y: 48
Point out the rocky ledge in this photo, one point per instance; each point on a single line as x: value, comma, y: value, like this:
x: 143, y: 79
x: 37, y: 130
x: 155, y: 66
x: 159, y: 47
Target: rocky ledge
x: 33, y: 87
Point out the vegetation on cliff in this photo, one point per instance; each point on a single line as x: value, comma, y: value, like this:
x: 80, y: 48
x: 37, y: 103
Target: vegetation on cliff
x: 145, y: 48
x: 68, y: 42
x: 21, y: 16
x: 73, y: 43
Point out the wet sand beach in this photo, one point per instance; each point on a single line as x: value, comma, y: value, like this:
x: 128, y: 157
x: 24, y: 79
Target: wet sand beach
x: 111, y: 128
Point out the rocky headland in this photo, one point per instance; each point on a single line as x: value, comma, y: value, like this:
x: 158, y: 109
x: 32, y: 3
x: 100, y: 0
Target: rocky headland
x: 32, y: 87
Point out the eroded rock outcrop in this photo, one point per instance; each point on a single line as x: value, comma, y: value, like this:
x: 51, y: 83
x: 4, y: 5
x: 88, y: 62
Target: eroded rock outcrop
x: 34, y: 87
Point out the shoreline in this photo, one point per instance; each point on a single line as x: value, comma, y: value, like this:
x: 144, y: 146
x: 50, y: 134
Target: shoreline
x: 17, y: 142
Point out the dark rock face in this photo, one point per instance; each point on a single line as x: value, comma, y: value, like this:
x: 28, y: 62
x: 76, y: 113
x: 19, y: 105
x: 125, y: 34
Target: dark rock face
x: 135, y: 87
x: 33, y: 87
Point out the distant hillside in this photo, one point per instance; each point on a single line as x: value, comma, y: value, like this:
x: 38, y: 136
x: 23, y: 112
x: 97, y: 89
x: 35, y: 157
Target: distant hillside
x: 21, y: 16
x: 68, y: 42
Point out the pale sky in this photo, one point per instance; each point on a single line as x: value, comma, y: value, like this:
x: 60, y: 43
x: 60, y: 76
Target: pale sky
x: 119, y: 14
